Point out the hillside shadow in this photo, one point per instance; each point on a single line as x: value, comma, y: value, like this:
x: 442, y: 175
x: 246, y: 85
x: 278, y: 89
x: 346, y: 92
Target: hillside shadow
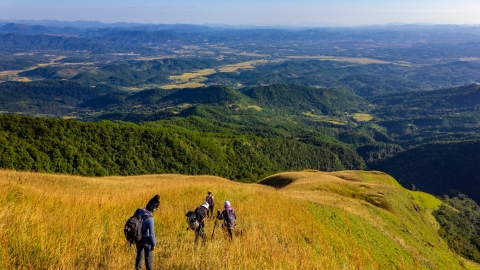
x: 277, y: 181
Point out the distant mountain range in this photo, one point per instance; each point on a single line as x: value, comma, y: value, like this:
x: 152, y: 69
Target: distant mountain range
x: 369, y: 32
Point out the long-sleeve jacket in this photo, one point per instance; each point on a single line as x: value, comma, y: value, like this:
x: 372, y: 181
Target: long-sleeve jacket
x: 148, y: 226
x: 201, y: 214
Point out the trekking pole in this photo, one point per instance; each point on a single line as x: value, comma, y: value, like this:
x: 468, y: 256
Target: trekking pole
x: 214, y: 226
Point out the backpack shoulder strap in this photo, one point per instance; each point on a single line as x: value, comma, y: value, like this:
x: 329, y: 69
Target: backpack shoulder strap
x: 144, y: 218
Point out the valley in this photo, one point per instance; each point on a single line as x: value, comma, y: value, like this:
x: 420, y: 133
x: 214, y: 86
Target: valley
x: 365, y: 138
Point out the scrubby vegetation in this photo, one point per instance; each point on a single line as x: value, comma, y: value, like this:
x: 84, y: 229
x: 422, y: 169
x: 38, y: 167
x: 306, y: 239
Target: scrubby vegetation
x: 459, y: 219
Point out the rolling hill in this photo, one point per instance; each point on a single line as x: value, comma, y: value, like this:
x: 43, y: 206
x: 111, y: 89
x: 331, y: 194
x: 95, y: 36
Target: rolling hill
x: 429, y: 103
x: 301, y: 98
x: 338, y: 220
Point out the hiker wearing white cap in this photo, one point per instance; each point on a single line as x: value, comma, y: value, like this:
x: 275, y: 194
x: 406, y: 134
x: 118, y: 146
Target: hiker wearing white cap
x: 201, y: 213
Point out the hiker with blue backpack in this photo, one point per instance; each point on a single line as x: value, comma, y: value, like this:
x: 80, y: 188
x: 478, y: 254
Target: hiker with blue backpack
x: 139, y: 230
x: 229, y: 218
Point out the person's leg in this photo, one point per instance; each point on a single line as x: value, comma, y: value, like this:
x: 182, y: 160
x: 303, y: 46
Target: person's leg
x: 148, y: 254
x: 138, y: 260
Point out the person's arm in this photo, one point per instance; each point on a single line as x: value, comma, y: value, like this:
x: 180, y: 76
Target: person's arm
x: 152, y: 232
x: 219, y: 215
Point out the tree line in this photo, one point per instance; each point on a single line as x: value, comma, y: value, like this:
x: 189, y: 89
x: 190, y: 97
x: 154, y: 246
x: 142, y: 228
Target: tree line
x: 108, y: 148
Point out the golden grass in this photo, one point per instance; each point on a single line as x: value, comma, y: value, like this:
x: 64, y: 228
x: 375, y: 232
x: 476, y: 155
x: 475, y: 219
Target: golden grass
x: 192, y: 75
x: 379, y: 202
x: 255, y: 107
x: 14, y: 73
x: 242, y: 65
x: 362, y: 117
x: 322, y: 118
x: 154, y: 58
x: 254, y: 54
x: 316, y: 222
x: 10, y: 72
x: 183, y: 85
x: 190, y: 79
x: 20, y: 79
x: 357, y: 60
x: 195, y: 79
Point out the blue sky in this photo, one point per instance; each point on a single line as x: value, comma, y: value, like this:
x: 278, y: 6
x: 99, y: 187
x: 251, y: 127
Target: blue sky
x: 248, y: 12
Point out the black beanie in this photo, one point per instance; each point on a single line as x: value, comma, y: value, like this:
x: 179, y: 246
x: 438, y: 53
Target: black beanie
x: 154, y: 203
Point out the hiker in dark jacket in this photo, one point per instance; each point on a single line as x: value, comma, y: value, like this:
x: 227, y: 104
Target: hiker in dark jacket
x: 148, y: 242
x: 201, y: 213
x: 229, y: 218
x: 211, y: 203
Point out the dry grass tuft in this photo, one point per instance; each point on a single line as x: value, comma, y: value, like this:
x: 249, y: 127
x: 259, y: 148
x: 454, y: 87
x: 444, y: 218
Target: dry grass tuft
x: 362, y: 117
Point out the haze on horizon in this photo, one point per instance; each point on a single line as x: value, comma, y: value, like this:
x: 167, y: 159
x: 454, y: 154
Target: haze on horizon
x: 248, y: 12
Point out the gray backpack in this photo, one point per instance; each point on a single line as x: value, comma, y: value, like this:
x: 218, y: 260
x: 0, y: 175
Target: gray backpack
x: 192, y: 220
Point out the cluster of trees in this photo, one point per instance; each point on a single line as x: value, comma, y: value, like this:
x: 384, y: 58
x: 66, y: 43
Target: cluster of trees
x: 10, y: 62
x: 442, y: 102
x: 47, y: 97
x: 459, y: 219
x: 437, y: 167
x: 106, y: 148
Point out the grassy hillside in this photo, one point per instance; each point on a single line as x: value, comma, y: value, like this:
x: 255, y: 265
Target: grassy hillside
x: 338, y: 220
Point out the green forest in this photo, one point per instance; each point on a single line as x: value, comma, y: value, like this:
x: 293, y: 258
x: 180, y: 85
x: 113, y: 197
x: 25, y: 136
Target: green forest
x: 107, y: 148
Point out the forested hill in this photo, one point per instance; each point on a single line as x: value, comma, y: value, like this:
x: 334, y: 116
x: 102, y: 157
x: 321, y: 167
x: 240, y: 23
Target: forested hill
x: 106, y: 148
x: 280, y: 98
x: 59, y: 98
x: 302, y: 98
x: 423, y: 103
x: 437, y: 168
x: 47, y: 97
x: 213, y: 95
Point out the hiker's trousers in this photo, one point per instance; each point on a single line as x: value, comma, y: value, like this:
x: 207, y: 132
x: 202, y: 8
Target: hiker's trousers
x: 144, y: 247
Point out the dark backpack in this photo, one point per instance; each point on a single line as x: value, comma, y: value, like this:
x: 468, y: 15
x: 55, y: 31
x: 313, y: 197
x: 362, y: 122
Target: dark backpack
x: 230, y: 217
x: 192, y: 220
x: 133, y: 227
x: 210, y: 201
